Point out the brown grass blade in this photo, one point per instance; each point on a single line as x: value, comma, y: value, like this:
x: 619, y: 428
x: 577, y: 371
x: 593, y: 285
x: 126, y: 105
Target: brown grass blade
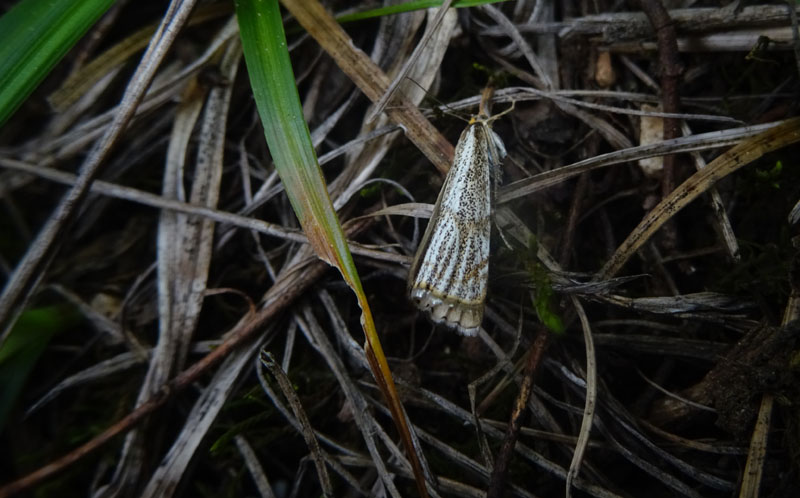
x: 743, y: 154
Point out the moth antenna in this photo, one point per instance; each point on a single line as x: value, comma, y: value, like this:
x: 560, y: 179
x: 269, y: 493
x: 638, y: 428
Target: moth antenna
x: 497, y: 116
x: 442, y: 106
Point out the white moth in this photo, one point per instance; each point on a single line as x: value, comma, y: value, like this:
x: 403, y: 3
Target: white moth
x: 449, y: 275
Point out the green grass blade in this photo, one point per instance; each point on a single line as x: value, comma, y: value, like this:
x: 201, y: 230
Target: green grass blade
x: 408, y: 7
x: 289, y: 141
x: 288, y: 138
x: 34, y: 36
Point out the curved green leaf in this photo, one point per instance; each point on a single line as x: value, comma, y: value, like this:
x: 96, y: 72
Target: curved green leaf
x: 34, y: 36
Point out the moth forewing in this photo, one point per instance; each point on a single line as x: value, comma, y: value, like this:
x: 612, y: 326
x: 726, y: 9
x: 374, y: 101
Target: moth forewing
x: 449, y: 275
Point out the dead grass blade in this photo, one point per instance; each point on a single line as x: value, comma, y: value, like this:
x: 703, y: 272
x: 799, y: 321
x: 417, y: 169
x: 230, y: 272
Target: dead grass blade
x: 743, y: 154
x: 637, y: 459
x: 637, y: 445
x: 254, y: 466
x: 685, y: 303
x: 686, y: 144
x: 461, y: 416
x: 411, y: 62
x: 305, y: 425
x: 723, y: 223
x: 590, y: 400
x: 371, y: 80
x: 543, y: 77
x: 756, y: 456
x: 289, y: 416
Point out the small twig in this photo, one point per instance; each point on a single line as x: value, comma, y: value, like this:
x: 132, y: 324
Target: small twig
x: 669, y: 63
x: 671, y: 70
x: 498, y: 481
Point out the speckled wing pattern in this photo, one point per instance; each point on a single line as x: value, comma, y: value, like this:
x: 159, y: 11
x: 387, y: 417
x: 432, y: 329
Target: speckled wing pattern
x: 449, y: 275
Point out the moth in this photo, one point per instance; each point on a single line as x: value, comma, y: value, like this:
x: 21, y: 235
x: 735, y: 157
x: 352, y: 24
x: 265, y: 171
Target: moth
x: 449, y: 274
